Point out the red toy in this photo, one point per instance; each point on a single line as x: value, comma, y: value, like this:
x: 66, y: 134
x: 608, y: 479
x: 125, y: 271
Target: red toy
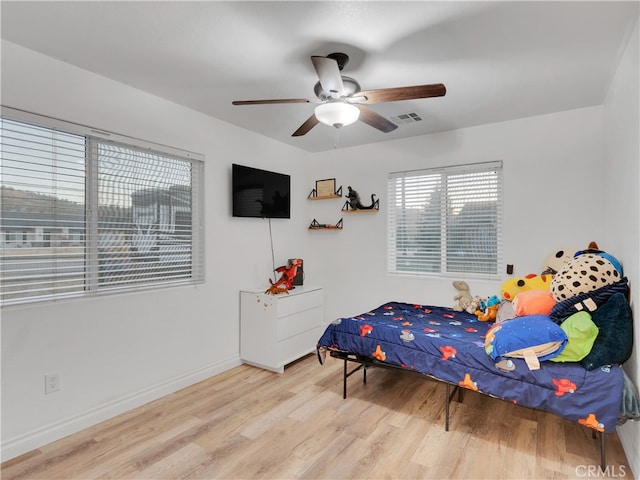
x: 285, y: 283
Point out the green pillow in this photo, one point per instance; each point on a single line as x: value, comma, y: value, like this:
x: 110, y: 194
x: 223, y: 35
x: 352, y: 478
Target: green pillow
x: 582, y: 333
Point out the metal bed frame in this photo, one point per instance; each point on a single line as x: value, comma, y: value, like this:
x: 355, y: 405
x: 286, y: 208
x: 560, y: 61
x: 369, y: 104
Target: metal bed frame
x: 365, y: 362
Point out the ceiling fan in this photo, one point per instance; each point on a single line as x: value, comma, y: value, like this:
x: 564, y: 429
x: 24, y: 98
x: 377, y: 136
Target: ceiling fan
x: 341, y: 101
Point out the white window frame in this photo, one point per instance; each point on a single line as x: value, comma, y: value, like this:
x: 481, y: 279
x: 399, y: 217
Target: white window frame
x: 415, y: 250
x: 93, y: 136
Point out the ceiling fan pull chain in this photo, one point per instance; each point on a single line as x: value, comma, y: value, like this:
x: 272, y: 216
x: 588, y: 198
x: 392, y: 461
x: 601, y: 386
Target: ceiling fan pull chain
x: 337, y: 138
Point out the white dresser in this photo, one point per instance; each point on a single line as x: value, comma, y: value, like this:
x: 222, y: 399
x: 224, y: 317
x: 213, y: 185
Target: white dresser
x: 277, y: 329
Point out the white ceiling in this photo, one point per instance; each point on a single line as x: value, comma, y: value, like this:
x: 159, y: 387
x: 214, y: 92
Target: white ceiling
x: 499, y: 60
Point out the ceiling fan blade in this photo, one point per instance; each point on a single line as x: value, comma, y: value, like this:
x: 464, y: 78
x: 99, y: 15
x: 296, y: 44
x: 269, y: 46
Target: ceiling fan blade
x: 376, y: 120
x: 329, y: 74
x: 267, y: 102
x: 403, y: 93
x: 311, y: 122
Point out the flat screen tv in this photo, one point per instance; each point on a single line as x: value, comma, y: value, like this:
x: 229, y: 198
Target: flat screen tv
x: 260, y: 193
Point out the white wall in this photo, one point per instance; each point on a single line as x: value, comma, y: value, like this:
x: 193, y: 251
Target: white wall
x: 622, y: 202
x: 552, y: 199
x: 118, y: 351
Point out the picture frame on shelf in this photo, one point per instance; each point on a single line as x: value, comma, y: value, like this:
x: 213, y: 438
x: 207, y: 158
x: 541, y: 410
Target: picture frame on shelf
x: 326, y: 187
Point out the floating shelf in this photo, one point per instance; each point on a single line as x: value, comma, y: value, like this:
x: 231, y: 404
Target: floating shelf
x: 347, y: 208
x: 327, y: 197
x: 314, y: 195
x: 325, y: 226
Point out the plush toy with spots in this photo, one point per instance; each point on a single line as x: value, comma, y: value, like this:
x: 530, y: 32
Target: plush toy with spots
x: 589, y: 270
x: 512, y: 286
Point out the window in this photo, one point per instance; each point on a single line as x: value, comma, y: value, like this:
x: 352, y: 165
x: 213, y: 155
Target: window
x: 446, y: 220
x: 83, y: 214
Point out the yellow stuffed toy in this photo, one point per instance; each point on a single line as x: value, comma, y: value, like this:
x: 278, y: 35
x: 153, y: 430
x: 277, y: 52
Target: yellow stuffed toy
x: 511, y: 287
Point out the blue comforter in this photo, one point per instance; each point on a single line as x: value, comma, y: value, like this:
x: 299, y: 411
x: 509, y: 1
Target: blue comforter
x: 449, y: 346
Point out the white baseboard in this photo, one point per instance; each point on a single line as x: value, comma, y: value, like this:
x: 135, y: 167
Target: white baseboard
x: 26, y: 442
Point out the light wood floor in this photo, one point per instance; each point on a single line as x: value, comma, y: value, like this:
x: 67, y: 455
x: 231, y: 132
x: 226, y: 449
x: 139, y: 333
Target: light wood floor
x: 252, y: 424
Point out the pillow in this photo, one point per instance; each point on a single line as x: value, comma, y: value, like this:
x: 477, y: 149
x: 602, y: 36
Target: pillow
x: 615, y: 338
x: 582, y: 333
x: 505, y: 312
x: 589, y: 301
x: 585, y: 273
x: 533, y: 302
x: 533, y: 337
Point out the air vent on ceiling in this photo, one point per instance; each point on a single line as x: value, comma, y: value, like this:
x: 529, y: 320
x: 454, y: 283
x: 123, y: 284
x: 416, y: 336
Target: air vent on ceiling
x: 406, y: 118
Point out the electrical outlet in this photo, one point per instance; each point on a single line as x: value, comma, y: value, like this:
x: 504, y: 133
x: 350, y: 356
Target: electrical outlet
x: 51, y: 383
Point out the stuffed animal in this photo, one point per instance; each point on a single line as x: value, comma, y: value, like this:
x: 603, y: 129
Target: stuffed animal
x: 556, y: 260
x: 476, y: 304
x: 356, y: 204
x: 490, y: 311
x: 463, y: 297
x: 489, y: 315
x: 512, y: 286
x: 285, y: 283
x: 589, y: 270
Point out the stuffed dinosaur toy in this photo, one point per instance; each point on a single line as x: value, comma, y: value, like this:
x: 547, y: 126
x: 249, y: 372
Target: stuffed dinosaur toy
x: 356, y: 204
x: 463, y: 297
x: 285, y: 283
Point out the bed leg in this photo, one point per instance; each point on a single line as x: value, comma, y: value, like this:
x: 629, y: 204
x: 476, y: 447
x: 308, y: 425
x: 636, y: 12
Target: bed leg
x: 344, y: 380
x: 446, y: 409
x: 364, y: 375
x: 603, y: 460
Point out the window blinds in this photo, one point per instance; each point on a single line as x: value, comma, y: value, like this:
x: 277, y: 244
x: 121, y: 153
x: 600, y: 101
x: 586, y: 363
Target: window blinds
x: 82, y: 215
x: 144, y: 225
x: 446, y: 220
x: 42, y: 216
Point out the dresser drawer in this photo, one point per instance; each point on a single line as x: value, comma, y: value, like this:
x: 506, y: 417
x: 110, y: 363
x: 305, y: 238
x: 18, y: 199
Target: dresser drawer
x: 295, y: 303
x: 293, y: 348
x: 299, y: 322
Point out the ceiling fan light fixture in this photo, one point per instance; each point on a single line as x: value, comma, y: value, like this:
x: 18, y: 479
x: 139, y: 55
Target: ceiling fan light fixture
x: 337, y: 114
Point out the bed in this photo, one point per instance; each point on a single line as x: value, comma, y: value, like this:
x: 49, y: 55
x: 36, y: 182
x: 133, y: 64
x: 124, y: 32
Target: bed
x: 449, y: 346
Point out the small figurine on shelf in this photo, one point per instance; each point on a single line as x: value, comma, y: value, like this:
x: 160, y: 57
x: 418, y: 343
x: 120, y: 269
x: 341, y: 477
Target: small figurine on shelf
x: 356, y: 204
x: 285, y: 283
x: 315, y: 225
